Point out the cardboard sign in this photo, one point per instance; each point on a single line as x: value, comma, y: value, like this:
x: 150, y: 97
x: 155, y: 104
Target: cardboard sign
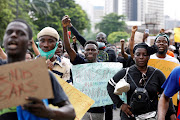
x: 177, y: 35
x: 166, y: 67
x: 138, y: 37
x: 22, y: 79
x: 92, y: 80
x: 79, y: 100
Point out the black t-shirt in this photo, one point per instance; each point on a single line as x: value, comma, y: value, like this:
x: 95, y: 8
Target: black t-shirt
x: 153, y: 86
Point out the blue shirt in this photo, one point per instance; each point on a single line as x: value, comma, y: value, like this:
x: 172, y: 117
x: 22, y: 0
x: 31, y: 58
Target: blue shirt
x: 172, y: 84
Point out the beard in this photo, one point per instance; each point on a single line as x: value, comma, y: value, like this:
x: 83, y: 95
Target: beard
x: 162, y: 52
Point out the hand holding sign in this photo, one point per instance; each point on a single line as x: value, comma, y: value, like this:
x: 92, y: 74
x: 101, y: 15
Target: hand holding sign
x: 22, y: 79
x: 37, y: 107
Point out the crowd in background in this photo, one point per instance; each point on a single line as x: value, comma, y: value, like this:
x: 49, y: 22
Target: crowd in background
x: 61, y: 55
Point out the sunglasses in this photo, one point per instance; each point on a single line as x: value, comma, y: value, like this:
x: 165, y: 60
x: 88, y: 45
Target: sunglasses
x: 101, y: 38
x: 142, y: 81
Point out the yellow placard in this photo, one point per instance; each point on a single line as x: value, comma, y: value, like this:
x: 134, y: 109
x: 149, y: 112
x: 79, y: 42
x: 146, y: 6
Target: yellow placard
x: 177, y: 35
x: 166, y: 67
x: 79, y: 100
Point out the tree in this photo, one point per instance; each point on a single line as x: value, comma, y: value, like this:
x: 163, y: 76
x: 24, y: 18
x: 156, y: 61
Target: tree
x: 6, y: 16
x: 112, y: 23
x: 42, y: 13
x: 59, y: 8
x: 117, y: 36
x: 41, y: 7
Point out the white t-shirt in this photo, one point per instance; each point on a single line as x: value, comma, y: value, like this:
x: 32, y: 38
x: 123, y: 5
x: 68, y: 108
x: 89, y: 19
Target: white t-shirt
x: 168, y: 58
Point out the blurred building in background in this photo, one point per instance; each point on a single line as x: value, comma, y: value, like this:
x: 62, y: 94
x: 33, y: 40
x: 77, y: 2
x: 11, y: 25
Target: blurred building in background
x: 146, y: 14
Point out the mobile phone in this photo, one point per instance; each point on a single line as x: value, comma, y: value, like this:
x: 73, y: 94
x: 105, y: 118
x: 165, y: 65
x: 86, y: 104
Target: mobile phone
x: 147, y: 31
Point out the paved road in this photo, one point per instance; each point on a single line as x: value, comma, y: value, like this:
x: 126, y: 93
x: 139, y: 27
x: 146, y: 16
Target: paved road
x: 116, y: 114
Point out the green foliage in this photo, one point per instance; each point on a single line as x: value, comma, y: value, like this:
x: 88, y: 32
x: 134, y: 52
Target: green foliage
x: 112, y: 23
x: 41, y: 7
x: 6, y: 16
x: 59, y: 8
x: 117, y: 36
x: 42, y: 13
x: 89, y: 35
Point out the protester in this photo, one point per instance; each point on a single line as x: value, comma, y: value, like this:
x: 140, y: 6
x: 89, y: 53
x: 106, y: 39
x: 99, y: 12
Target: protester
x: 74, y: 44
x: 162, y: 42
x: 48, y: 43
x: 60, y: 49
x: 121, y: 59
x: 171, y: 87
x: 143, y: 76
x: 106, y: 54
x: 64, y: 60
x: 17, y: 36
x: 91, y: 52
x: 104, y: 50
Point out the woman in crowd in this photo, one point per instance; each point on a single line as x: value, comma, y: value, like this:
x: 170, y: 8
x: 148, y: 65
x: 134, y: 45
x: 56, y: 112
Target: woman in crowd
x: 142, y: 76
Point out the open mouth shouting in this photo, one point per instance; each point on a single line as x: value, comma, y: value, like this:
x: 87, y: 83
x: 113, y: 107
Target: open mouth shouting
x: 12, y: 44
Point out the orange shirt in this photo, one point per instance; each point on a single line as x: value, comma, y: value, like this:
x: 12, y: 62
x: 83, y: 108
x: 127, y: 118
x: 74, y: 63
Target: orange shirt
x: 170, y: 53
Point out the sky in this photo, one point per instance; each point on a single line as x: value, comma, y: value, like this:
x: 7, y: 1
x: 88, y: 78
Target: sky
x: 170, y: 7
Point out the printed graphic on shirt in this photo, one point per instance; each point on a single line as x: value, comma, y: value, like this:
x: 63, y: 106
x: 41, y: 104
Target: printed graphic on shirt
x: 103, y: 56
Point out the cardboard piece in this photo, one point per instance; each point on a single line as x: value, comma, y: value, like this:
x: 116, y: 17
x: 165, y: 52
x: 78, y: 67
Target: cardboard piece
x: 22, y: 79
x: 177, y: 35
x: 92, y: 80
x: 79, y: 100
x: 166, y: 67
x: 138, y: 37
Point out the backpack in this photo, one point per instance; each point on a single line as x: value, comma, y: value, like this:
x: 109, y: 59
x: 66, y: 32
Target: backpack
x: 140, y: 102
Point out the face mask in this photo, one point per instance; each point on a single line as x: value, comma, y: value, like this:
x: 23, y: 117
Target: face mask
x: 101, y: 44
x: 48, y: 54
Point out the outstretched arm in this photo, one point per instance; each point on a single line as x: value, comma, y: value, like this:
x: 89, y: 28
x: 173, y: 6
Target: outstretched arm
x: 79, y: 37
x: 124, y: 54
x: 131, y: 41
x: 70, y: 51
x: 145, y: 36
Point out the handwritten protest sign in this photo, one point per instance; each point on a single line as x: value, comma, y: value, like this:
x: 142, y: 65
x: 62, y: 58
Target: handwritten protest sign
x: 79, y: 100
x: 176, y: 34
x: 92, y: 79
x: 138, y: 37
x: 166, y: 67
x: 22, y: 79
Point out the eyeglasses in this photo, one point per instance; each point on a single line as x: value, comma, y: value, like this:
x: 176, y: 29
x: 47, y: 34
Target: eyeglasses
x: 101, y: 38
x: 142, y: 81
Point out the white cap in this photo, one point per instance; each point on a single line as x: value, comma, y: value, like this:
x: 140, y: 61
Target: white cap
x: 48, y: 31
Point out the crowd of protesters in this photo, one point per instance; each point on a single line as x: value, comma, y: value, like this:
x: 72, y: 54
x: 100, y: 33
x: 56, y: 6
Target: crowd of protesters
x: 61, y: 55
